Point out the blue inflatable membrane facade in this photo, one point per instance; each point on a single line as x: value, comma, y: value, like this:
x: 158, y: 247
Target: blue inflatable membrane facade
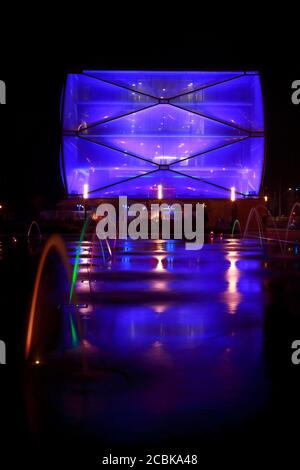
x: 183, y: 134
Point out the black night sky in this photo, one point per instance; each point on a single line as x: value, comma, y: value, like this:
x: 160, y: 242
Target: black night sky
x: 36, y: 66
x: 192, y: 376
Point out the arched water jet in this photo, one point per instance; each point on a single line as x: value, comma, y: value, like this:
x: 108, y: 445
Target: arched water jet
x: 108, y: 246
x: 236, y: 223
x: 93, y: 242
x: 255, y: 212
x: 296, y: 204
x: 260, y: 206
x: 56, y: 243
x: 34, y: 224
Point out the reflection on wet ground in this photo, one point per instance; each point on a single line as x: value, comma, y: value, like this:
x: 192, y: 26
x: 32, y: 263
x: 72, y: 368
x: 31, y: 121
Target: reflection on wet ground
x: 177, y: 347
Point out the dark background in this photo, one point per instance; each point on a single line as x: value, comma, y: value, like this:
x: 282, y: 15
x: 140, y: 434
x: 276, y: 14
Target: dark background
x: 37, y: 60
x: 34, y: 60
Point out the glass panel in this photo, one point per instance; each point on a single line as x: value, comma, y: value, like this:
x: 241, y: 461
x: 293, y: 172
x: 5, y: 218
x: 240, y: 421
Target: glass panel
x: 239, y: 165
x: 61, y: 168
x: 163, y: 134
x: 97, y: 166
x: 173, y: 185
x: 238, y: 102
x: 88, y: 101
x: 162, y: 84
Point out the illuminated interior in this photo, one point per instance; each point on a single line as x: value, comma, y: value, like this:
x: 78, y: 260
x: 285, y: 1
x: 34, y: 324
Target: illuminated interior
x: 162, y: 134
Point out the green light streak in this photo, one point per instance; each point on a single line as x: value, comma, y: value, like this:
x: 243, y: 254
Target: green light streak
x: 75, y: 269
x: 73, y: 332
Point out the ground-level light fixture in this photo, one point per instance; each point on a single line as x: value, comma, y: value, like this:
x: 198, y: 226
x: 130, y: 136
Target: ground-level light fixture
x: 232, y: 194
x: 85, y: 191
x: 85, y: 197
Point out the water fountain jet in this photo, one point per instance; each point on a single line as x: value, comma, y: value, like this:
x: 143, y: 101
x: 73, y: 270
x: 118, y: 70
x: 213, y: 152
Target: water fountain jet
x: 296, y: 204
x: 34, y: 224
x: 236, y: 223
x: 54, y: 243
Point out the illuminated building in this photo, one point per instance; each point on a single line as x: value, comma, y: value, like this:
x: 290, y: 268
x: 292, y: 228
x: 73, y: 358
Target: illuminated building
x: 171, y: 134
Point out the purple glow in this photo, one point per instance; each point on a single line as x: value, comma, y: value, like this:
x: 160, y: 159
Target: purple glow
x: 162, y: 84
x: 98, y: 166
x: 237, y: 102
x: 174, y: 185
x: 89, y: 101
x: 239, y: 165
x: 163, y: 134
x: 114, y: 132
